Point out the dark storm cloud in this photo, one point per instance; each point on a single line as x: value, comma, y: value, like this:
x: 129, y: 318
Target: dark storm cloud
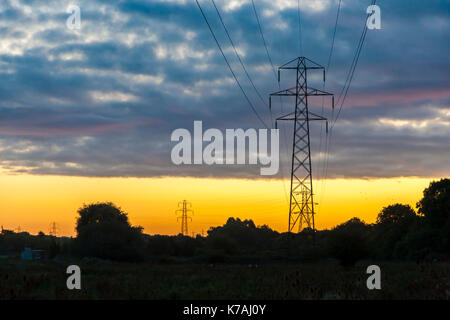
x: 103, y: 101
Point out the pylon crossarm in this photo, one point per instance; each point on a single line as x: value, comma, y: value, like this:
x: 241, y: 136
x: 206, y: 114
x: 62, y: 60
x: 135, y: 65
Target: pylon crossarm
x: 313, y: 116
x: 288, y: 116
x: 288, y: 65
x: 289, y: 62
x: 318, y: 66
x: 317, y: 92
x: 291, y: 117
x: 286, y: 92
x: 295, y: 68
x: 292, y: 93
x: 301, y: 61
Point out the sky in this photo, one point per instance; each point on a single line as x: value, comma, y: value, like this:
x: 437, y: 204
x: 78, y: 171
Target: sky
x: 86, y: 115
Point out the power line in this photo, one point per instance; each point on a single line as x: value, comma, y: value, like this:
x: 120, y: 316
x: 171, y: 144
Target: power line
x: 334, y: 35
x: 264, y: 40
x: 323, y: 177
x: 279, y: 87
x: 329, y: 59
x: 350, y: 79
x: 352, y: 68
x: 300, y: 41
x: 278, y: 82
x: 229, y: 66
x: 237, y: 54
x: 346, y: 88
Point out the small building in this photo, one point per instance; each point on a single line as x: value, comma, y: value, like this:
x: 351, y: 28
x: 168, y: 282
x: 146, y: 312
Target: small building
x: 29, y: 254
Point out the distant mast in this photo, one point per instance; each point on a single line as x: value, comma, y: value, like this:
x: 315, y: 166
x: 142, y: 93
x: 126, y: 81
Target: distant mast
x: 184, y: 210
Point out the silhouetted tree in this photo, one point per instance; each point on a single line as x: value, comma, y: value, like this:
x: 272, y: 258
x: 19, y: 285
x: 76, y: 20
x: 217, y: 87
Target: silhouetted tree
x: 435, y: 207
x: 98, y: 213
x: 348, y: 242
x: 435, y: 204
x: 396, y: 214
x: 244, y: 233
x: 103, y: 231
x: 393, y: 224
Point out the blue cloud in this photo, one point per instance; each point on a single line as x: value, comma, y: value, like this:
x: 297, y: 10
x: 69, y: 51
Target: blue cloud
x: 103, y: 101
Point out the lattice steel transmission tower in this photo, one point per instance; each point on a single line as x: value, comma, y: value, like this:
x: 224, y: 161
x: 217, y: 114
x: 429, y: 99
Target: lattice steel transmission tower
x: 183, y: 208
x: 301, y: 207
x: 53, y: 229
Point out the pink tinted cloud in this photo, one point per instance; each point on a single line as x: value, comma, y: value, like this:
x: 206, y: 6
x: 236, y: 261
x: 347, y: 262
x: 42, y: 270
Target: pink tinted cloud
x: 404, y: 96
x: 36, y: 131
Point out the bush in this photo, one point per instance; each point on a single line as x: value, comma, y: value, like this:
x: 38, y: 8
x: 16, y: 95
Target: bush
x: 103, y: 231
x: 348, y: 242
x: 111, y: 241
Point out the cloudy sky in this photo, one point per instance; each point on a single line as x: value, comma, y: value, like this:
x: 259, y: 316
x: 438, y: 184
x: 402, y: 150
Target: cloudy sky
x: 103, y: 100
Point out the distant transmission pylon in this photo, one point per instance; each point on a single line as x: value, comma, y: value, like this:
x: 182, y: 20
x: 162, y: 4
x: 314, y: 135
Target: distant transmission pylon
x: 53, y: 229
x: 301, y: 206
x: 183, y: 208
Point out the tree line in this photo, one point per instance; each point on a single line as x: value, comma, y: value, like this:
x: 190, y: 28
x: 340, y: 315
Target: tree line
x: 399, y: 233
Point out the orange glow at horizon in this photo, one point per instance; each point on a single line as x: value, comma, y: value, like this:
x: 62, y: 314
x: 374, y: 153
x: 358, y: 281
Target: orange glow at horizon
x: 34, y: 202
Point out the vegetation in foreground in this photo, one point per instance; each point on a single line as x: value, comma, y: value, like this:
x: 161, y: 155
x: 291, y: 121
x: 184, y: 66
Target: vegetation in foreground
x: 47, y: 280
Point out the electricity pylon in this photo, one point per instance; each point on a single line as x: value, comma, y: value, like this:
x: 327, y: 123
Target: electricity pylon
x: 183, y: 208
x: 301, y: 206
x: 53, y: 229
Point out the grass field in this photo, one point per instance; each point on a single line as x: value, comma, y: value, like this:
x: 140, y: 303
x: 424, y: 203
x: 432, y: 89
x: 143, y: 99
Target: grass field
x: 47, y: 280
